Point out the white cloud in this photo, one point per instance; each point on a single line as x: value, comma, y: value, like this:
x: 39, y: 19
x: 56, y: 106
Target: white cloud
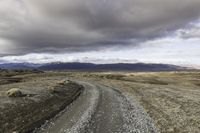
x: 68, y: 31
x: 166, y: 50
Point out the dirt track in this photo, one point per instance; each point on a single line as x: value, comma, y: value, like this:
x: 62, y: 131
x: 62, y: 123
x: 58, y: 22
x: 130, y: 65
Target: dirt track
x: 170, y: 98
x: 101, y: 109
x: 167, y: 100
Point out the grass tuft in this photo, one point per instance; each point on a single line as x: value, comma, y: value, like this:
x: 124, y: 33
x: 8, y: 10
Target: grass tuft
x: 14, y: 92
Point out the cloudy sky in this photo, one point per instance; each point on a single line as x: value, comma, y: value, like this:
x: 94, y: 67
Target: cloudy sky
x: 100, y: 31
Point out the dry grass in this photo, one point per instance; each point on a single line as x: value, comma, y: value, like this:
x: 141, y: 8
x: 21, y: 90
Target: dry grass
x: 64, y: 82
x: 14, y: 92
x: 172, y: 99
x: 36, y: 103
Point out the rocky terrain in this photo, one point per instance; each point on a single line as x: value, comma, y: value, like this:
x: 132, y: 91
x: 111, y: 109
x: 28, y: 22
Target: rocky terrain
x: 170, y: 98
x: 165, y: 102
x: 30, y: 102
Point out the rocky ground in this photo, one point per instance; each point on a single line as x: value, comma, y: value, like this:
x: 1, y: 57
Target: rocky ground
x: 171, y: 99
x: 28, y: 103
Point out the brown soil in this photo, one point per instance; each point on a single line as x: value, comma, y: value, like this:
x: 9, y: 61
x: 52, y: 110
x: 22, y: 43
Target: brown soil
x: 24, y: 114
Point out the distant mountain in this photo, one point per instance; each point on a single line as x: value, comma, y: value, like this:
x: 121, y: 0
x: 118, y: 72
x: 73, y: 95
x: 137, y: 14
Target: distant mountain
x: 19, y: 66
x: 110, y: 67
x: 93, y: 67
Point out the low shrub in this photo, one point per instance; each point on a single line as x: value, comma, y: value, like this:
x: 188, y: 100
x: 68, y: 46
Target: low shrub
x: 14, y: 92
x: 64, y: 82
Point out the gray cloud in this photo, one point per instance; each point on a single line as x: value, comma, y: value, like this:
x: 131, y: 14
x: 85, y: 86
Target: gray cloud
x: 76, y: 25
x: 191, y: 32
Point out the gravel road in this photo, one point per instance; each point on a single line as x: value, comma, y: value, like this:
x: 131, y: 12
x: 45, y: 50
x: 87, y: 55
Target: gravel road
x: 101, y: 109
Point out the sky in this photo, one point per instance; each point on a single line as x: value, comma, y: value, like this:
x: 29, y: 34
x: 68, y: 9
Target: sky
x: 100, y: 31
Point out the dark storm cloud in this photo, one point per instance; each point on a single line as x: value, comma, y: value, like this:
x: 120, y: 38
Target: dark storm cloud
x: 77, y: 25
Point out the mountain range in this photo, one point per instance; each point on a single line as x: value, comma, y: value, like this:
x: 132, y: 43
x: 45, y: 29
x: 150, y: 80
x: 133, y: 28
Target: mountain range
x: 93, y: 67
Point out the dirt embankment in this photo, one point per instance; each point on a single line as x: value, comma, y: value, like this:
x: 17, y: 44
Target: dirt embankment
x: 40, y: 99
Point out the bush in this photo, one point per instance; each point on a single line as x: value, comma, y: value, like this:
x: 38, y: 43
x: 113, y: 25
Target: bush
x: 64, y: 82
x: 14, y: 92
x: 61, y: 86
x: 53, y: 89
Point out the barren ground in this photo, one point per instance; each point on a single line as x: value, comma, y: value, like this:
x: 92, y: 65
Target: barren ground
x: 42, y: 99
x: 171, y: 99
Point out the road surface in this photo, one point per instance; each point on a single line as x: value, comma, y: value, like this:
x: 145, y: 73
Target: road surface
x: 100, y: 109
